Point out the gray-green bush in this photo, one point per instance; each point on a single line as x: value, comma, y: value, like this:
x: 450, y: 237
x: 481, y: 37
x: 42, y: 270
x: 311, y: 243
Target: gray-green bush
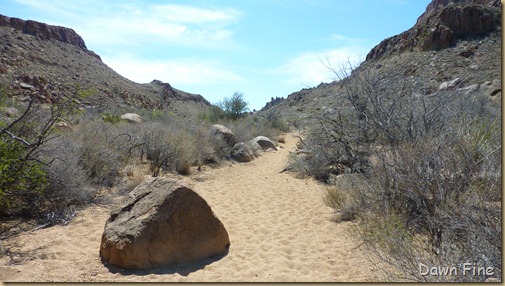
x: 429, y: 170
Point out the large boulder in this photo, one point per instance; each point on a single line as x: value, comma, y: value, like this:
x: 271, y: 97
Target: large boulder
x: 162, y: 223
x: 242, y: 152
x: 132, y: 117
x: 265, y: 143
x: 223, y: 133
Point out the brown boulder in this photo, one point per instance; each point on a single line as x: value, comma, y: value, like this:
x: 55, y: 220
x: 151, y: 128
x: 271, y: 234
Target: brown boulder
x: 265, y: 143
x: 162, y: 223
x: 242, y: 152
x: 223, y: 133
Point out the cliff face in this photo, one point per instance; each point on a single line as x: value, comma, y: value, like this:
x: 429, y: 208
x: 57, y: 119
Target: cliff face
x: 46, y: 32
x: 442, y: 24
x: 436, y: 5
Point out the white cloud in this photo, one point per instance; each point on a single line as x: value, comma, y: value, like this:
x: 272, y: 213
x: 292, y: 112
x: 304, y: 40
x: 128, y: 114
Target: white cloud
x: 103, y: 23
x: 177, y: 72
x: 312, y: 68
x: 189, y: 14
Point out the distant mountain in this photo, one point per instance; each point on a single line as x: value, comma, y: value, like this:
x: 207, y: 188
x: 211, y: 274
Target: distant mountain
x: 451, y: 39
x: 50, y: 61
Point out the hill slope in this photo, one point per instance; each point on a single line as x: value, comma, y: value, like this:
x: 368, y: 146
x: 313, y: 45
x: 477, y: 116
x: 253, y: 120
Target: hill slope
x: 452, y: 39
x: 50, y: 61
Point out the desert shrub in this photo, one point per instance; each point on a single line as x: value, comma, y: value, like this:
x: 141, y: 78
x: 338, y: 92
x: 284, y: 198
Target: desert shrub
x: 349, y: 195
x: 214, y: 114
x: 20, y: 180
x: 68, y: 186
x: 173, y: 148
x: 103, y: 150
x: 25, y: 177
x: 252, y: 126
x: 111, y: 118
x: 425, y: 202
x: 429, y: 166
x: 156, y: 114
x: 273, y: 119
x: 234, y: 107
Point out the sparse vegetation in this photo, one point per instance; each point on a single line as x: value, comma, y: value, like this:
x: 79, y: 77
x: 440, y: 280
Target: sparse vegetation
x: 423, y: 166
x: 234, y: 107
x: 48, y: 170
x: 26, y: 164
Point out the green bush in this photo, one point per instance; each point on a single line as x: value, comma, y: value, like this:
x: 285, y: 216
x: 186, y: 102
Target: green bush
x: 113, y: 119
x: 19, y: 177
x: 234, y: 107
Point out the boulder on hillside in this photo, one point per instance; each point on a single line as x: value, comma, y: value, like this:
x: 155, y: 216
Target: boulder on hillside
x: 242, y: 152
x: 492, y: 88
x: 162, y: 223
x: 132, y: 117
x: 223, y: 133
x: 449, y: 84
x: 10, y: 112
x: 62, y: 125
x: 265, y: 143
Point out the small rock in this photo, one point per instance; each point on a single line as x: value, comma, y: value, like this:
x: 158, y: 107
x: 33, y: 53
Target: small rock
x: 466, y: 54
x: 10, y: 112
x: 450, y: 84
x: 132, y: 117
x: 26, y: 86
x: 64, y: 126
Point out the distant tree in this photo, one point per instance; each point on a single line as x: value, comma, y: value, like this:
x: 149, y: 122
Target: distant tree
x: 235, y: 106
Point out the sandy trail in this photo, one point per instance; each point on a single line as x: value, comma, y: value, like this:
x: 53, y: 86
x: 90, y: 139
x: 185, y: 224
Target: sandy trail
x: 279, y: 228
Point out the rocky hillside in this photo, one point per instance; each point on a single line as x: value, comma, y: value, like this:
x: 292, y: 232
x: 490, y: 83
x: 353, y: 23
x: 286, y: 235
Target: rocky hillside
x: 51, y: 61
x: 442, y: 25
x: 452, y: 39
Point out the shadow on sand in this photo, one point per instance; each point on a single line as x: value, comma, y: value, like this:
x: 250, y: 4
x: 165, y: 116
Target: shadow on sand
x: 182, y: 269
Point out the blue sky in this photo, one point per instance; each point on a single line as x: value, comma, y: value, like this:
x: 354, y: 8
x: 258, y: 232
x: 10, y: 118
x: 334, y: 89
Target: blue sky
x: 214, y: 48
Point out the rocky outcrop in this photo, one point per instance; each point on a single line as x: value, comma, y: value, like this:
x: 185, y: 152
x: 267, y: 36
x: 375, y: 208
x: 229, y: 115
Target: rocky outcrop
x: 442, y: 25
x: 436, y: 5
x: 46, y: 32
x: 162, y: 223
x: 273, y: 102
x: 170, y: 93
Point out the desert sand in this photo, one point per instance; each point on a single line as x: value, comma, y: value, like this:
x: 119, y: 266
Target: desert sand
x: 280, y: 230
